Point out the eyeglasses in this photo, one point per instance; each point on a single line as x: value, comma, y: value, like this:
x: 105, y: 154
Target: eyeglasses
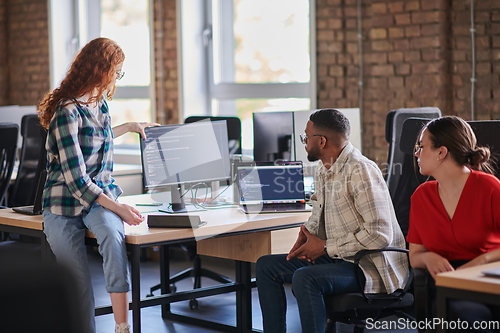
x: 418, y: 148
x: 120, y: 75
x: 304, y: 137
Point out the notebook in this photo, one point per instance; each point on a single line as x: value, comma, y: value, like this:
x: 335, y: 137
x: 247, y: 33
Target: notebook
x: 271, y: 188
x: 175, y: 221
x: 492, y: 272
x: 36, y: 209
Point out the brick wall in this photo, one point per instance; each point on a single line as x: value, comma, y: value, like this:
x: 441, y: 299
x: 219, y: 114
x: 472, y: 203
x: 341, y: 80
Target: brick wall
x: 415, y: 53
x: 167, y: 79
x: 26, y: 76
x: 487, y: 46
x: 3, y: 54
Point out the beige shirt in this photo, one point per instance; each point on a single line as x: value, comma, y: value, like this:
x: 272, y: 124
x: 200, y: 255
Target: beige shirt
x: 352, y: 211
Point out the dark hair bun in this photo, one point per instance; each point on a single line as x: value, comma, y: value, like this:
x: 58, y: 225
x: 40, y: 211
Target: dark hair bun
x: 479, y: 156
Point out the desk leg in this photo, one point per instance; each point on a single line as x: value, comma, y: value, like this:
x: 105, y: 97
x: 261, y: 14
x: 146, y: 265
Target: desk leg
x: 47, y: 255
x: 164, y: 278
x: 442, y: 307
x: 244, y: 297
x: 136, y: 288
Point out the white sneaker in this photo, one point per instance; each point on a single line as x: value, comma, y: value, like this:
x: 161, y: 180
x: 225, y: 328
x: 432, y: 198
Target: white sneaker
x: 122, y: 328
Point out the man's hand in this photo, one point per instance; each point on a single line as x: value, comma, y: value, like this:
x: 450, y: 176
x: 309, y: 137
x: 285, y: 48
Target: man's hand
x: 301, y: 239
x: 310, y: 250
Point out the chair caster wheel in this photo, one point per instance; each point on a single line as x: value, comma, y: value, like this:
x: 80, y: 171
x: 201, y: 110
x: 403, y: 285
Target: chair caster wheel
x: 193, y: 304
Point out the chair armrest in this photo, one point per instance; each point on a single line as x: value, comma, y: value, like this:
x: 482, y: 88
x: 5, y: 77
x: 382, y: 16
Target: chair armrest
x: 422, y: 293
x: 360, y: 254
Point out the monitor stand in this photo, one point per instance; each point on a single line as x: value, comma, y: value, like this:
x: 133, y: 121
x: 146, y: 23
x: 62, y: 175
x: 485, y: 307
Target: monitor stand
x: 177, y: 202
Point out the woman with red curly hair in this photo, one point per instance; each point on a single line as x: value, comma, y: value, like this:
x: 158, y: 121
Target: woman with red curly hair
x: 79, y: 193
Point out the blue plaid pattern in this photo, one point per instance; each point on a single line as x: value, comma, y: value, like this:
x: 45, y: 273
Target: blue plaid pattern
x: 79, y: 159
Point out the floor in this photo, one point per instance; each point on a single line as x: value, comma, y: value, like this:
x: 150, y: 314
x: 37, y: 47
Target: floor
x: 219, y: 308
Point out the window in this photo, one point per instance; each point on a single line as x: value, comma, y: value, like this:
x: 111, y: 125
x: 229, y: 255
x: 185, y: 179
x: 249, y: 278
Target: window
x: 258, y: 58
x: 127, y: 23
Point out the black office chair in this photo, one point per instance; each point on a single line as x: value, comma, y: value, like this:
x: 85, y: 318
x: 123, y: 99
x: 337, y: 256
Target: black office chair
x: 410, y: 177
x: 233, y: 130
x: 487, y: 134
x: 23, y: 191
x: 8, y: 150
x: 38, y: 297
x: 355, y: 308
x: 197, y: 272
x: 393, y: 129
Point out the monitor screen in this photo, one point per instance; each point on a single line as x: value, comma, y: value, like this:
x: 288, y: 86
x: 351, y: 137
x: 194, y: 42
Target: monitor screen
x: 273, y: 136
x: 186, y: 153
x: 271, y: 183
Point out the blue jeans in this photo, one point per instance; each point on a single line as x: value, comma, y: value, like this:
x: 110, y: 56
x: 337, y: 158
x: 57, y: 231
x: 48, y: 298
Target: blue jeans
x: 309, y: 283
x: 66, y: 236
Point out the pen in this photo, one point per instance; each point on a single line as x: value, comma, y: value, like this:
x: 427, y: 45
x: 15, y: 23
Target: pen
x: 149, y: 204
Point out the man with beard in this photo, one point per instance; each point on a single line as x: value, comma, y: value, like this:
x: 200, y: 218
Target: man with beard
x: 352, y: 211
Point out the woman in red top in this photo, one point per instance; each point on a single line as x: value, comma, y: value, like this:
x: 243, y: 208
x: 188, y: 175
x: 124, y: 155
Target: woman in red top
x: 454, y: 220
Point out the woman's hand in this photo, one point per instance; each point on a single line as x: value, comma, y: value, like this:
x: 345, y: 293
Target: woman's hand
x: 129, y: 214
x: 484, y: 258
x: 132, y: 127
x: 139, y: 128
x: 436, y: 264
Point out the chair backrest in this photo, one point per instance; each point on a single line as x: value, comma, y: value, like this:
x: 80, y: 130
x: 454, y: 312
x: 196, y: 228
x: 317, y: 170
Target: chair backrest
x: 33, y: 147
x: 8, y: 151
x: 410, y: 177
x: 393, y: 129
x: 487, y: 134
x: 233, y: 130
x: 44, y: 290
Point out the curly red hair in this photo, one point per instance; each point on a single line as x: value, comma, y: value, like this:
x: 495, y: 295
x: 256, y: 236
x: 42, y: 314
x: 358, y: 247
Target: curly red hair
x: 93, y: 68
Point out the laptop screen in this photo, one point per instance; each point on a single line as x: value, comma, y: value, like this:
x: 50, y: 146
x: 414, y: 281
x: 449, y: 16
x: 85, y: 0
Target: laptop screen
x: 271, y: 184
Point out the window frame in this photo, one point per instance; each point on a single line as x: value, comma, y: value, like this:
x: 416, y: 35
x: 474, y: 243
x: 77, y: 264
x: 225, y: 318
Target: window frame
x: 233, y: 91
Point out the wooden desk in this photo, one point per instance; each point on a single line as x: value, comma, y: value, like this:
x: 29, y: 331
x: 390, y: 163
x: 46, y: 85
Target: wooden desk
x: 227, y: 234
x: 467, y: 284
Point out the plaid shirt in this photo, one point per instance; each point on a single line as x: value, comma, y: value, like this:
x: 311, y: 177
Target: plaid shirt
x: 352, y: 211
x: 79, y: 159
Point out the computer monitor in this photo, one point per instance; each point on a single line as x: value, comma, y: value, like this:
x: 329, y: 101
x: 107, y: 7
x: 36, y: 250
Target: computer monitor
x: 273, y: 136
x: 173, y: 155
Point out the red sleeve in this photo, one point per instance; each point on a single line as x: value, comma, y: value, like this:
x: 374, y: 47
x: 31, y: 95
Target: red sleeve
x: 413, y: 236
x: 495, y: 203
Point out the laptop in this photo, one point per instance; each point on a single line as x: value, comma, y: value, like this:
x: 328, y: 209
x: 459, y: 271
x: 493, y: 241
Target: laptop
x: 271, y: 187
x: 492, y: 272
x: 36, y: 209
